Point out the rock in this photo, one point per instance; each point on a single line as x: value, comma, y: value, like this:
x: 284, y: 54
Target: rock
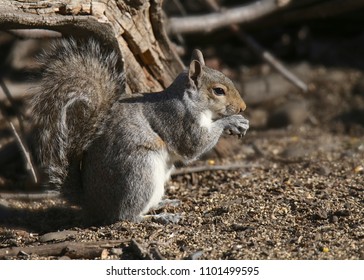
x: 58, y: 235
x: 323, y: 170
x: 195, y: 256
x: 320, y: 214
x: 116, y: 251
x: 166, y: 218
x: 104, y: 254
x: 295, y: 151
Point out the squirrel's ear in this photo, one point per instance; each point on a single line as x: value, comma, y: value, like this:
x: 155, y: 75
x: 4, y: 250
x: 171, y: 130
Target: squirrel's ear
x: 195, y: 72
x: 197, y: 55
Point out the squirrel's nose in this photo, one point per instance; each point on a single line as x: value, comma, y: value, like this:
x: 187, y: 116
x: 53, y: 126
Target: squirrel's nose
x: 242, y: 107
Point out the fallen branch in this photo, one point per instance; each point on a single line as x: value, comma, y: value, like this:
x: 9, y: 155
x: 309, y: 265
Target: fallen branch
x: 74, y: 250
x: 24, y: 148
x: 31, y: 196
x: 210, y: 22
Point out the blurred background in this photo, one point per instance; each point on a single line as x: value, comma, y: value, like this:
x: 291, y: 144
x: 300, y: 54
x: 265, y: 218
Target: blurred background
x: 320, y: 42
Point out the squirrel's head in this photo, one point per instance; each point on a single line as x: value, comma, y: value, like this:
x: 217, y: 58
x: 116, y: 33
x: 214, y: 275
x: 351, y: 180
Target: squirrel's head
x: 214, y: 88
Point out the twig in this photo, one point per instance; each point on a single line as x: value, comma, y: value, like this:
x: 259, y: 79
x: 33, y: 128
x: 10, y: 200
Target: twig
x: 261, y: 52
x: 19, y: 115
x: 26, y: 153
x: 18, y: 135
x: 196, y: 169
x: 183, y: 12
x: 269, y: 58
x: 210, y: 22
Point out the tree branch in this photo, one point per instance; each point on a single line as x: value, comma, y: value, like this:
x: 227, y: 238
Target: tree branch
x: 74, y: 250
x: 210, y: 22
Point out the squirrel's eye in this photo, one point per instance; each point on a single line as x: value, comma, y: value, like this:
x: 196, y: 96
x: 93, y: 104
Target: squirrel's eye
x: 218, y: 91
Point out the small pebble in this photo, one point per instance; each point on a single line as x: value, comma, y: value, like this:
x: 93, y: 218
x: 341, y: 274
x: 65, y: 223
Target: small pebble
x: 58, y: 235
x: 116, y: 251
x: 334, y: 219
x: 359, y: 169
x: 104, y: 254
x: 325, y: 249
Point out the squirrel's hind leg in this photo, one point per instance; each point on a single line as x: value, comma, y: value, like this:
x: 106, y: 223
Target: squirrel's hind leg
x: 160, y: 173
x: 124, y: 186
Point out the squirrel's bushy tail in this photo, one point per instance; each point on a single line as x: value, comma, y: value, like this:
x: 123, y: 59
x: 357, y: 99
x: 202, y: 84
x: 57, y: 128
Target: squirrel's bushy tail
x: 79, y: 84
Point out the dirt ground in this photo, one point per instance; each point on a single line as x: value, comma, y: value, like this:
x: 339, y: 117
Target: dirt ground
x: 292, y: 189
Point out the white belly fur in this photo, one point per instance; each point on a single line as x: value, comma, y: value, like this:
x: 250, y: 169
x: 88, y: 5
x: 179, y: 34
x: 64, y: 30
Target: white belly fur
x: 161, y: 173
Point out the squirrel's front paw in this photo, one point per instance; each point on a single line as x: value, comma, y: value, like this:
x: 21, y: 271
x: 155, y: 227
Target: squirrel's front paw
x: 236, y: 125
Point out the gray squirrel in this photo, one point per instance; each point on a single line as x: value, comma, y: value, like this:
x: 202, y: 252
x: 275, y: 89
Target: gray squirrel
x: 115, y: 154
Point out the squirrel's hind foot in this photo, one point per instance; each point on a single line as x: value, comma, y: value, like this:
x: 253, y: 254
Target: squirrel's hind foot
x: 164, y: 218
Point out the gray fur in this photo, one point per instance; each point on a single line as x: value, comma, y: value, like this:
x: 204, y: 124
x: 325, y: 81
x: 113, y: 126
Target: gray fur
x: 78, y: 81
x: 129, y: 146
